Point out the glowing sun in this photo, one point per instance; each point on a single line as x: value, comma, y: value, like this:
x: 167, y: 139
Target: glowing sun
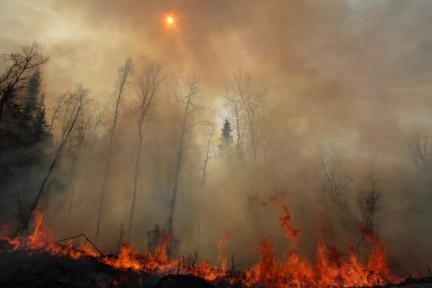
x: 170, y: 20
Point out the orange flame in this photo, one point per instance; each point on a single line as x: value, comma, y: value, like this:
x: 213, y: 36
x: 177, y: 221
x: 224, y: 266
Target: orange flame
x: 331, y: 269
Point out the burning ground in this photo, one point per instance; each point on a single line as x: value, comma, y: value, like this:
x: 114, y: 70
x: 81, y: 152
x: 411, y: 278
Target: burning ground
x: 39, y: 259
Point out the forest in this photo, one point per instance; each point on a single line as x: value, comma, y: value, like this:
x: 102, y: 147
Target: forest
x: 152, y: 169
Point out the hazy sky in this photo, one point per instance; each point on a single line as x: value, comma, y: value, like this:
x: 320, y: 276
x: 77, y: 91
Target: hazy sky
x: 364, y: 65
x: 350, y: 76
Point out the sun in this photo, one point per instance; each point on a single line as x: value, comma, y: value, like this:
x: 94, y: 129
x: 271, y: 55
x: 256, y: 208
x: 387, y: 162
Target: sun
x: 170, y: 20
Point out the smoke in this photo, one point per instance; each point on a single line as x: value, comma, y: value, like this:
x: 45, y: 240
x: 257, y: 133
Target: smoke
x: 346, y: 83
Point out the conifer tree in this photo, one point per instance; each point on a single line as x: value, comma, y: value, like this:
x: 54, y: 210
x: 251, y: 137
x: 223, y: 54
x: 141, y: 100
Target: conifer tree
x: 226, y: 132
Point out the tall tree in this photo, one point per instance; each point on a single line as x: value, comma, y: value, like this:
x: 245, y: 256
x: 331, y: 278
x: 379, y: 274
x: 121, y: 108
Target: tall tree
x: 40, y: 126
x: 148, y: 90
x: 233, y: 104
x: 245, y: 101
x: 209, y: 135
x: 79, y: 99
x: 85, y: 125
x: 186, y: 97
x: 251, y: 96
x: 124, y: 74
x: 31, y: 100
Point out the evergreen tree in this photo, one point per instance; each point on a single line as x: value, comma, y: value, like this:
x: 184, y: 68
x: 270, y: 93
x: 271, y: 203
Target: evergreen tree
x: 226, y: 133
x: 31, y: 102
x: 226, y: 137
x: 40, y: 123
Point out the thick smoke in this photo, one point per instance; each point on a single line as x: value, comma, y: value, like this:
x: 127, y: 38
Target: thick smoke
x: 346, y: 82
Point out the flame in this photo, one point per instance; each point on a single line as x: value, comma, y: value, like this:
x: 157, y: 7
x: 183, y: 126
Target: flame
x: 330, y: 268
x: 40, y: 237
x: 222, y: 258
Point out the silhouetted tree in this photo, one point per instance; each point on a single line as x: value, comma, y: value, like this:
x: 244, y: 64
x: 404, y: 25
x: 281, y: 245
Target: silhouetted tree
x: 186, y: 97
x: 124, y: 74
x: 40, y: 127
x: 19, y: 69
x: 85, y: 126
x: 148, y: 90
x: 210, y: 133
x: 226, y: 136
x: 79, y: 99
x: 226, y: 132
x: 33, y: 116
x: 245, y: 102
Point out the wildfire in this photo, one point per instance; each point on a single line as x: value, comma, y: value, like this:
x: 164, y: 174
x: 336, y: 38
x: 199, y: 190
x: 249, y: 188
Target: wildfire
x: 331, y: 269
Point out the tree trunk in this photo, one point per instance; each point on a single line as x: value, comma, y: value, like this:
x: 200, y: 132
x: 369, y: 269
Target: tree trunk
x: 48, y: 175
x: 178, y: 168
x: 75, y: 172
x: 5, y: 97
x: 203, y: 179
x: 121, y: 86
x: 134, y: 192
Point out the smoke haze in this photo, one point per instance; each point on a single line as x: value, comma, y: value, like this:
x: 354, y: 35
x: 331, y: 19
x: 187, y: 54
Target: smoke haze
x: 345, y: 82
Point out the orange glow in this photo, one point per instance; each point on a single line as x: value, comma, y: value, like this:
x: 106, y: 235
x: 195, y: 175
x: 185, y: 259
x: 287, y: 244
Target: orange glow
x: 170, y: 20
x: 330, y: 268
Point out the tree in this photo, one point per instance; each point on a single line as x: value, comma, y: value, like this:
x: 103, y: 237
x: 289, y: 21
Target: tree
x: 148, y: 90
x: 79, y: 99
x: 85, y: 124
x: 18, y: 70
x: 234, y: 108
x: 420, y: 150
x: 369, y: 204
x: 124, y: 74
x: 186, y: 97
x: 245, y: 101
x: 58, y: 108
x: 31, y: 100
x: 226, y: 132
x: 33, y: 115
x: 40, y: 126
x: 210, y: 133
x: 226, y: 137
x: 338, y: 186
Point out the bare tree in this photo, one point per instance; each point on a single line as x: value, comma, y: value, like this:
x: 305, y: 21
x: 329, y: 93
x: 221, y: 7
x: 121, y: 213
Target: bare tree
x: 210, y: 134
x: 148, y: 90
x: 234, y: 108
x: 246, y: 101
x: 57, y: 109
x: 18, y: 69
x: 186, y: 97
x: 79, y: 99
x: 84, y: 128
x: 124, y: 74
x: 420, y: 150
x: 369, y: 204
x: 337, y: 185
